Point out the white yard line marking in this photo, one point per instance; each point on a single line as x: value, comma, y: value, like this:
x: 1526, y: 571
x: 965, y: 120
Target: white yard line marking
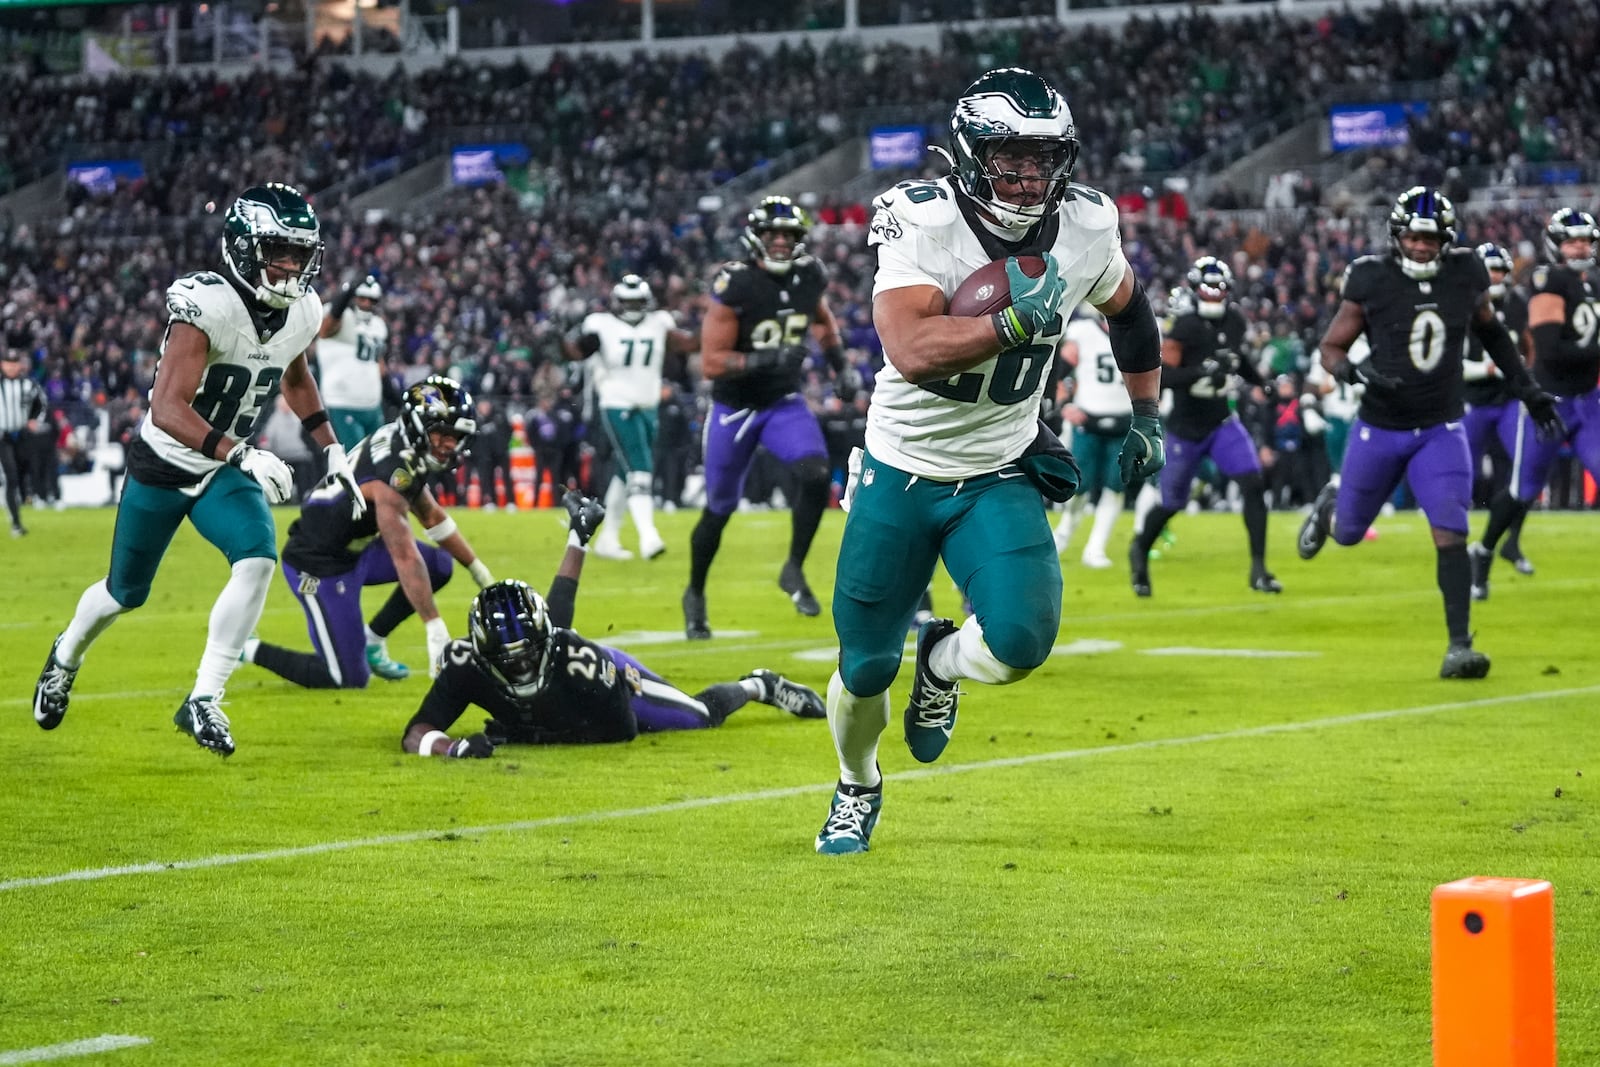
x: 1237, y: 653
x: 87, y: 1047
x: 96, y: 874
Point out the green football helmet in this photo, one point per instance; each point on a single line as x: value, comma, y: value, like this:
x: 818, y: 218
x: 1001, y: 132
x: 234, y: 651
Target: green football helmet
x: 274, y: 225
x: 1012, y: 112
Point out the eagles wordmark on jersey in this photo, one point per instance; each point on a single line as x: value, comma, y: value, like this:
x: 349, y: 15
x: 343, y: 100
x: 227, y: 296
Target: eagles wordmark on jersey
x: 981, y: 419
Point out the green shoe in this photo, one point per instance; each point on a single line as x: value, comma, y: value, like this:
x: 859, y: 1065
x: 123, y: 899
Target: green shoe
x: 384, y: 667
x: 851, y: 818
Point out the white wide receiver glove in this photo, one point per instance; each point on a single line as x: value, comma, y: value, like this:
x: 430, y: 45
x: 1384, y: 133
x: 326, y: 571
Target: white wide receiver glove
x: 269, y: 472
x: 438, y: 641
x: 480, y: 573
x: 343, y: 475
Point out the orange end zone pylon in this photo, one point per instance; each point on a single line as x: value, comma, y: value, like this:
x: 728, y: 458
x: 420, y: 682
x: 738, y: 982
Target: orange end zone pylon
x: 1494, y: 977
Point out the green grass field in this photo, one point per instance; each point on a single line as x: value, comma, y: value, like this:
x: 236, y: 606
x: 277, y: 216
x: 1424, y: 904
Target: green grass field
x: 1142, y: 855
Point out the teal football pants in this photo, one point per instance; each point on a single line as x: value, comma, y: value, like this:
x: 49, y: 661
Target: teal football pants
x: 231, y: 513
x: 350, y: 425
x: 994, y: 537
x: 632, y: 432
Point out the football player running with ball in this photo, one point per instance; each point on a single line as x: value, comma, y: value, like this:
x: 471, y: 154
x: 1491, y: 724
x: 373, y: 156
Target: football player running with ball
x: 1416, y: 305
x: 956, y: 458
x: 234, y: 337
x: 545, y: 684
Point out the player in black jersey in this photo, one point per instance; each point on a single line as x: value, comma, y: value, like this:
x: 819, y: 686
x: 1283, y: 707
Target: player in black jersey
x: 331, y: 556
x: 753, y: 350
x: 1415, y: 306
x: 1492, y: 414
x: 1200, y: 355
x: 545, y: 684
x: 1564, y: 326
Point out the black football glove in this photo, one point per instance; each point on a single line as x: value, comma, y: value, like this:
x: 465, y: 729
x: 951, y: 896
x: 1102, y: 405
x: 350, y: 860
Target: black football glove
x: 1541, y: 406
x: 1215, y: 372
x: 1365, y: 374
x: 478, y: 746
x: 847, y: 384
x: 584, y: 514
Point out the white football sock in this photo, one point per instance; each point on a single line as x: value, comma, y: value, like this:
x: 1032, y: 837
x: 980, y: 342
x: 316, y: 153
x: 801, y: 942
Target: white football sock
x: 97, y: 609
x: 372, y: 637
x: 642, y: 506
x: 856, y: 723
x: 964, y: 654
x: 610, y: 532
x: 233, y: 616
x: 1149, y: 496
x: 1069, y: 519
x: 1105, y: 517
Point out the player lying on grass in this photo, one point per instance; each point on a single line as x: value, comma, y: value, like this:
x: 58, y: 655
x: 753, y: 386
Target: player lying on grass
x: 544, y: 684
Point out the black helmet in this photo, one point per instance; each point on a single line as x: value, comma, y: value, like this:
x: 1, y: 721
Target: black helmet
x: 509, y: 627
x: 775, y: 214
x: 272, y: 224
x: 1422, y: 210
x: 437, y: 403
x: 1564, y: 226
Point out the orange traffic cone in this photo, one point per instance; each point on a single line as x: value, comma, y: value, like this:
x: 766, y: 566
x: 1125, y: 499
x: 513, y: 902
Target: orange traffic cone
x: 547, y: 493
x: 474, y: 493
x: 499, y: 490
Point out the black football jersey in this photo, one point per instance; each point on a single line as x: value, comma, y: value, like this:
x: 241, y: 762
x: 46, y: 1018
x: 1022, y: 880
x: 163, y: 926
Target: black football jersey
x: 1417, y: 328
x: 1562, y: 374
x: 585, y: 699
x: 775, y: 311
x: 1201, y: 406
x: 325, y: 540
x: 1490, y: 390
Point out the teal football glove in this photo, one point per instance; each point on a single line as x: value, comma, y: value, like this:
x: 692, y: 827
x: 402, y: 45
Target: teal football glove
x: 1143, y: 452
x: 1035, y: 303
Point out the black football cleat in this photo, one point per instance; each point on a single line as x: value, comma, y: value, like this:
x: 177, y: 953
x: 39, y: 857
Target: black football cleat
x: 792, y: 580
x: 695, y: 626
x: 1482, y: 561
x: 930, y: 714
x: 796, y: 699
x: 1138, y: 568
x: 1314, y: 531
x: 1464, y: 661
x: 1513, y: 555
x: 53, y: 690
x: 202, y: 718
x: 1264, y: 581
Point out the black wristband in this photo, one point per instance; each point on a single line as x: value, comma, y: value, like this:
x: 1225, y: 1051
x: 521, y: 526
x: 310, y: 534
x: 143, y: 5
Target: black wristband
x: 208, y: 447
x: 834, y: 354
x: 313, y: 420
x: 1147, y: 408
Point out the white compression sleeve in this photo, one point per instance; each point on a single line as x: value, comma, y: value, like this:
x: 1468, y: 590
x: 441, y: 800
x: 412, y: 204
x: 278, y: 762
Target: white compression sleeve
x: 235, y: 614
x: 856, y: 723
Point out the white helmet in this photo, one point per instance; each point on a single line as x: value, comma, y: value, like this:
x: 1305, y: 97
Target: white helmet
x: 369, y: 289
x: 631, y: 299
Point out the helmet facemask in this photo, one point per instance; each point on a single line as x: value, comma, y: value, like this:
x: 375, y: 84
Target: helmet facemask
x: 272, y: 244
x: 775, y: 218
x: 1566, y: 225
x: 370, y: 291
x: 1013, y: 147
x: 509, y: 627
x: 631, y: 299
x: 1212, y: 282
x: 437, y: 405
x: 1421, y: 211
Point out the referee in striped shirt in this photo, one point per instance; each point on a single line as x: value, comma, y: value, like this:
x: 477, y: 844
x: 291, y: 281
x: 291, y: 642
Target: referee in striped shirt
x: 21, y: 402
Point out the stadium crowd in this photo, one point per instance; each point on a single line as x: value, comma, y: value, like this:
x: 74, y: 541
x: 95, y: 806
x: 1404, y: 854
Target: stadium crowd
x: 483, y: 283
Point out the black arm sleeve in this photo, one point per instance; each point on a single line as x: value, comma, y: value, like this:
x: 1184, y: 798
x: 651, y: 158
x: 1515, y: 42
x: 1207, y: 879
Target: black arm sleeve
x: 562, y: 602
x: 1250, y: 372
x: 834, y: 354
x: 1499, y: 346
x: 1135, y: 337
x: 446, y: 700
x: 337, y: 306
x: 1550, y: 348
x: 1181, y: 376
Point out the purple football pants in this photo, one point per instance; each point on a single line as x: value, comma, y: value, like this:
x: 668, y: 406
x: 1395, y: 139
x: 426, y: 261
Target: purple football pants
x: 1533, y: 459
x: 1229, y: 447
x: 787, y: 429
x: 1435, y: 462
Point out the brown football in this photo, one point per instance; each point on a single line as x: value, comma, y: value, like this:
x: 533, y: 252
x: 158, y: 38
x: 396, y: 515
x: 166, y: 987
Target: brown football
x: 988, y: 290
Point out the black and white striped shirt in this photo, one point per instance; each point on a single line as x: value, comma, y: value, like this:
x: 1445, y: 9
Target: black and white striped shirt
x: 21, y: 399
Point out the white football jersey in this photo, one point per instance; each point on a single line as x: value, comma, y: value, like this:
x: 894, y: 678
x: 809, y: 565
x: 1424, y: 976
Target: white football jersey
x: 627, y: 366
x: 1098, y: 388
x: 351, y: 362
x: 242, y: 367
x: 1344, y: 400
x: 984, y: 418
